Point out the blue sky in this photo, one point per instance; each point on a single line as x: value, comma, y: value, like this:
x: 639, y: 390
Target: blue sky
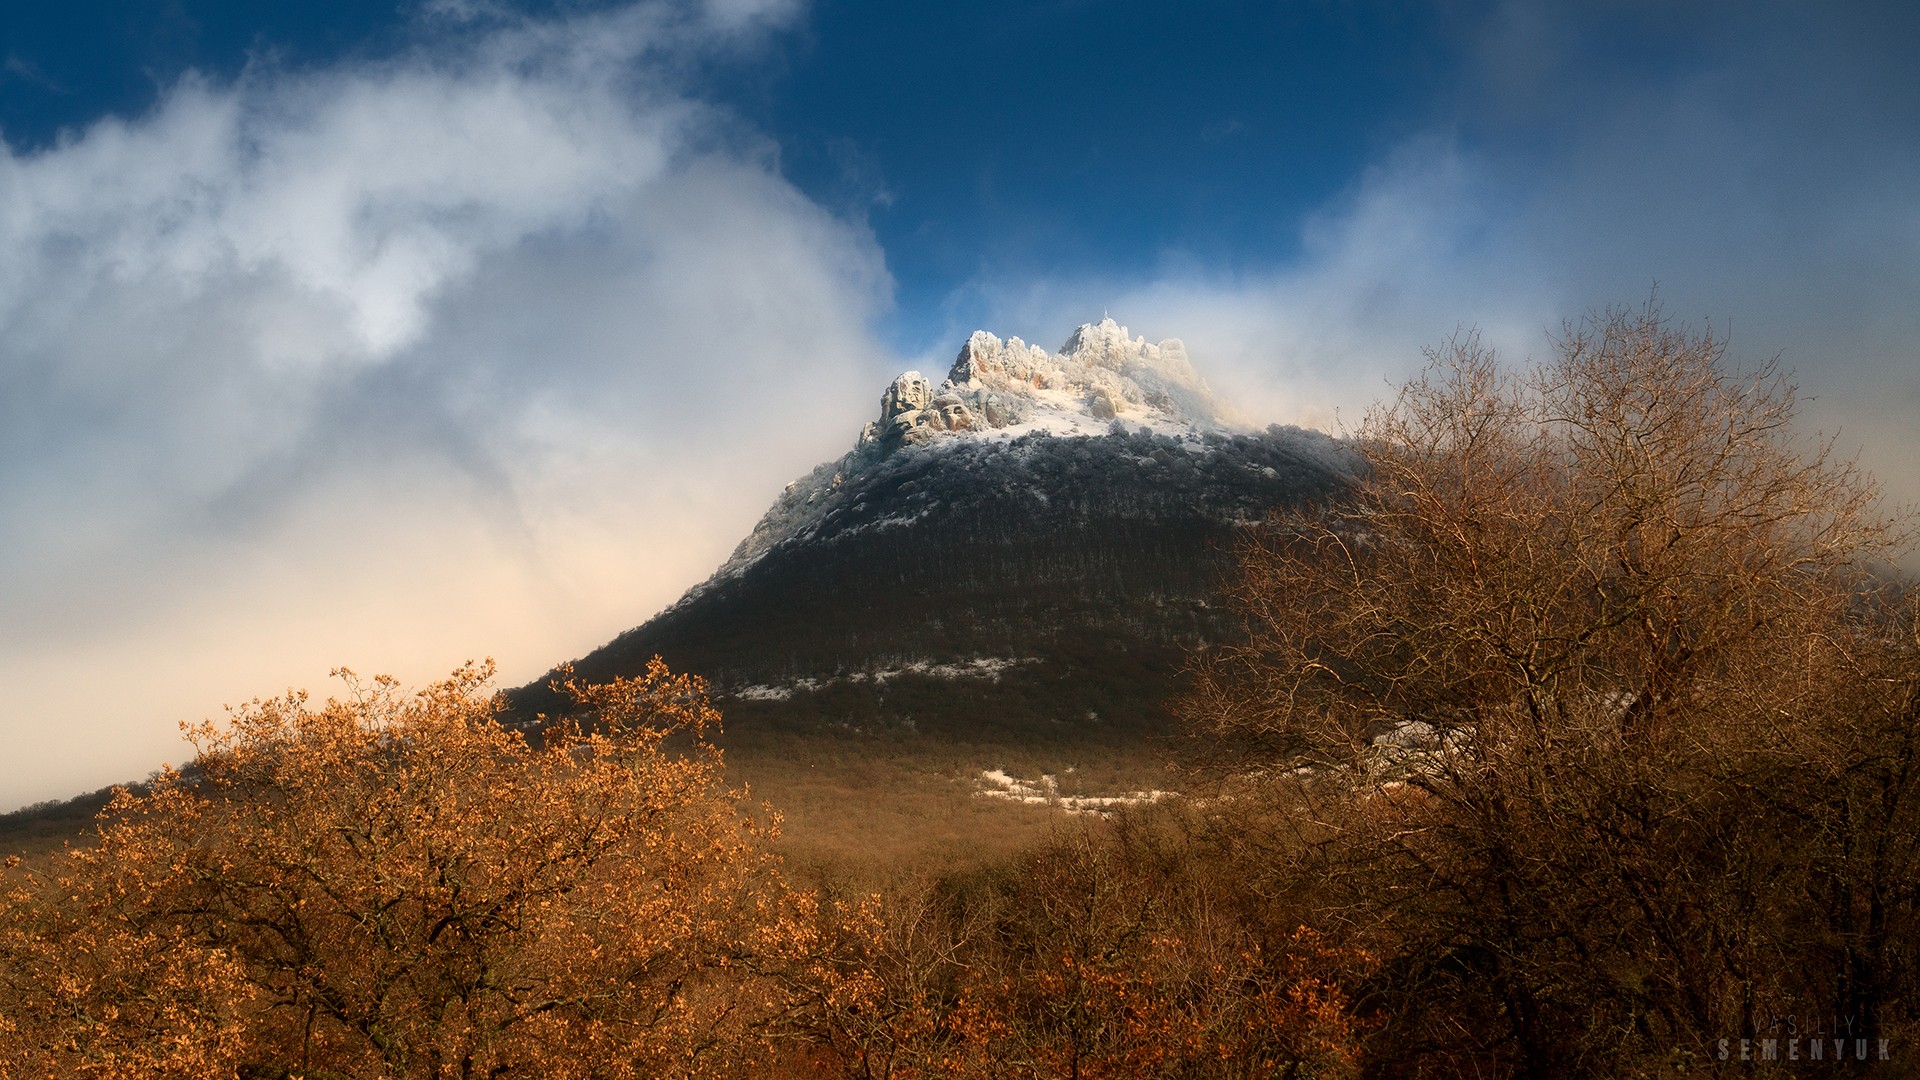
x: 1010, y: 139
x: 976, y: 140
x: 392, y: 333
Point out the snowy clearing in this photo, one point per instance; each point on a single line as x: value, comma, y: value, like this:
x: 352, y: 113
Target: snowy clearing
x: 1046, y: 792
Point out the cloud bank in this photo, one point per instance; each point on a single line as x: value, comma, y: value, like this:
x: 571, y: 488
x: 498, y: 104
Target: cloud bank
x: 488, y: 348
x: 1760, y: 164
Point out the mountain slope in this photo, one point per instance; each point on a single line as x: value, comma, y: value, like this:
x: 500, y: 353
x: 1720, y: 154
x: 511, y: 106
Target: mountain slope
x: 1026, y: 548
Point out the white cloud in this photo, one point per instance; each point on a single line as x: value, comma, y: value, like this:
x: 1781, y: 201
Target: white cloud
x: 1763, y: 180
x: 492, y: 349
x: 1314, y: 343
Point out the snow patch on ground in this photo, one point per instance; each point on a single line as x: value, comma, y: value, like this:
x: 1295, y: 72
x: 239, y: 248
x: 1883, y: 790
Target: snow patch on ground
x: 980, y: 667
x: 774, y: 693
x: 999, y: 784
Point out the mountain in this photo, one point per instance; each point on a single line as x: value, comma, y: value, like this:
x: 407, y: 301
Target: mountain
x: 1026, y: 549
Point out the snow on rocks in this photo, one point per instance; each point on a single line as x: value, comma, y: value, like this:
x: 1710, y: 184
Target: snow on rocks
x: 1409, y: 747
x: 1101, y: 375
x: 980, y: 667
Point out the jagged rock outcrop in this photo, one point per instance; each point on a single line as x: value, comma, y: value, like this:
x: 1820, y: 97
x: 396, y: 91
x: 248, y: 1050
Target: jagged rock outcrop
x: 910, y: 412
x: 1101, y: 383
x: 1100, y: 375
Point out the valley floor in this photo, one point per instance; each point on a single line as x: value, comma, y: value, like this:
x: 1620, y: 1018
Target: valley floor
x: 862, y: 810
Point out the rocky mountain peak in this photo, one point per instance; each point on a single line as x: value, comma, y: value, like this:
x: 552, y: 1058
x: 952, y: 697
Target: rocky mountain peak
x: 1002, y: 400
x: 1099, y: 377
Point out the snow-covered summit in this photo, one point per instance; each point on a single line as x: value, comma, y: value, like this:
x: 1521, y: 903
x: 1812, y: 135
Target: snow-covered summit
x: 1024, y: 406
x: 1099, y: 377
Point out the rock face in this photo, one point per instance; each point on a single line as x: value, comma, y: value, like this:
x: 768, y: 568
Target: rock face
x: 1100, y: 375
x: 911, y: 413
x: 1076, y: 511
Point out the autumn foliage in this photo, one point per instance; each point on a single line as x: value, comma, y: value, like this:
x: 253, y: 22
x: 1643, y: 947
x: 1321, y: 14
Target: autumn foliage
x: 391, y: 885
x: 395, y: 885
x: 1121, y: 949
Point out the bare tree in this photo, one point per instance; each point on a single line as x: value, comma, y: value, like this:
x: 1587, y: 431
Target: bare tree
x: 1600, y: 699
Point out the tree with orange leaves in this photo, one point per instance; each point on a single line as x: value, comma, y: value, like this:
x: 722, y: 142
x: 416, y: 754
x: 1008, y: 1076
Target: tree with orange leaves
x: 1114, y: 950
x: 399, y: 886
